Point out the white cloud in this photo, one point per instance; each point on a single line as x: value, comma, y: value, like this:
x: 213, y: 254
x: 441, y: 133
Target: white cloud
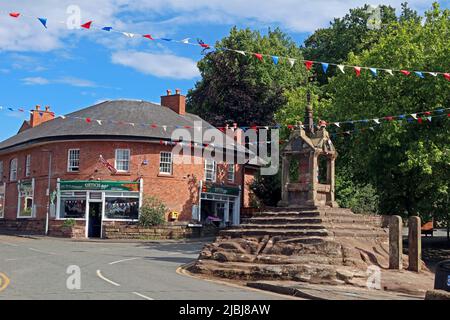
x: 160, y: 65
x: 72, y: 81
x: 35, y: 81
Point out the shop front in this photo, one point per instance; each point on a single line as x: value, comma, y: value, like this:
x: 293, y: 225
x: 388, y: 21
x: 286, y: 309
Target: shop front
x: 219, y: 205
x: 96, y: 202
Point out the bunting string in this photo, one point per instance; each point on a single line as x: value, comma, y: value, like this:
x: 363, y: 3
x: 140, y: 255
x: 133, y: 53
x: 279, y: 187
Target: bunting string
x: 325, y: 66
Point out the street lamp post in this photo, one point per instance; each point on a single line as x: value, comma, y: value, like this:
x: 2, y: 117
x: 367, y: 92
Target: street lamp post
x: 47, y: 217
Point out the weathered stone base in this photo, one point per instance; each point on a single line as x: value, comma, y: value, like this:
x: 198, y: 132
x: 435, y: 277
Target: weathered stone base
x: 19, y: 226
x: 320, y: 245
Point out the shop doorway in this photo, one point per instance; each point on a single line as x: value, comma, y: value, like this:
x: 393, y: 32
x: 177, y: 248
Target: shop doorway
x: 95, y: 220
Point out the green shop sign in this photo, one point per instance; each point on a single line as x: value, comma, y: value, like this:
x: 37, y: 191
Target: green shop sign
x: 218, y: 189
x: 78, y: 185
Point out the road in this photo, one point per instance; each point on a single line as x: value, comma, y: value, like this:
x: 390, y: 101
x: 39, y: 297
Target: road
x: 37, y: 268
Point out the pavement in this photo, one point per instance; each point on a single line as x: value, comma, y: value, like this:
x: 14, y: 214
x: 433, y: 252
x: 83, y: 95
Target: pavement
x: 50, y: 268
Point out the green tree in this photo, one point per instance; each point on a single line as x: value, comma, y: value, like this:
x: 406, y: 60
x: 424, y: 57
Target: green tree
x: 240, y: 88
x: 407, y: 163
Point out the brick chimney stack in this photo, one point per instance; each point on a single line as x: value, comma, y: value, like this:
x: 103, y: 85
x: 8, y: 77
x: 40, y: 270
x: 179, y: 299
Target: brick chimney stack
x: 39, y: 116
x: 176, y: 102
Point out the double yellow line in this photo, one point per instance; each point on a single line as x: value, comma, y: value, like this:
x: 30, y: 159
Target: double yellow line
x: 4, y: 281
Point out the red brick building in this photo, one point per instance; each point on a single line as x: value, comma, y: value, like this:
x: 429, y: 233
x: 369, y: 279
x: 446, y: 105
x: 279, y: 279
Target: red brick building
x: 134, y: 137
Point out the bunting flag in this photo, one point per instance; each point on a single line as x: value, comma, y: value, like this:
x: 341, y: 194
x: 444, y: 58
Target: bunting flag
x: 109, y: 166
x: 259, y: 56
x: 405, y: 72
x: 87, y: 25
x: 308, y: 63
x: 43, y: 21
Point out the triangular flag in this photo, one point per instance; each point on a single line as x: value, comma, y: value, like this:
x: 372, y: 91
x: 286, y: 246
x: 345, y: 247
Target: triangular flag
x: 148, y: 36
x: 389, y: 71
x: 186, y: 40
x: 419, y: 120
x: 14, y: 14
x: 414, y: 115
x: 429, y: 119
x: 258, y: 56
x: 434, y: 74
x: 166, y: 39
x: 62, y: 117
x: 99, y: 122
x: 338, y: 124
x: 164, y: 128
x: 374, y: 71
x: 129, y: 35
x: 275, y: 59
x: 341, y: 67
x: 405, y: 72
x: 447, y: 76
x: 308, y: 64
x: 291, y: 61
x: 419, y: 74
x: 241, y: 52
x: 377, y: 121
x: 43, y: 21
x: 358, y: 71
x: 88, y: 120
x: 87, y: 25
x: 325, y: 67
x: 107, y: 28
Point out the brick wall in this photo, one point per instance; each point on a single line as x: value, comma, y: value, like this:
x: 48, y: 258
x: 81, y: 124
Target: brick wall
x: 178, y: 191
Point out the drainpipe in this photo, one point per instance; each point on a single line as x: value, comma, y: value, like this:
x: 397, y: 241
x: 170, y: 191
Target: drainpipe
x: 47, y: 217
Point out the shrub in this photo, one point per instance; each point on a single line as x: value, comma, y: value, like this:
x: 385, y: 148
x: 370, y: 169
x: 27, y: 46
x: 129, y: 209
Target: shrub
x: 152, y: 212
x: 69, y: 223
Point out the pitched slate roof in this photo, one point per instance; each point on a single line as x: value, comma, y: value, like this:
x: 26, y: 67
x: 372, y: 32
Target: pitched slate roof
x: 128, y: 111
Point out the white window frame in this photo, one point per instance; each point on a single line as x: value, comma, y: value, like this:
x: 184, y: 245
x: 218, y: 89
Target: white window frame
x: 28, y: 165
x: 24, y: 199
x: 13, y: 169
x: 70, y: 166
x: 231, y: 172
x: 117, y: 160
x: 212, y: 170
x: 1, y: 171
x: 163, y: 156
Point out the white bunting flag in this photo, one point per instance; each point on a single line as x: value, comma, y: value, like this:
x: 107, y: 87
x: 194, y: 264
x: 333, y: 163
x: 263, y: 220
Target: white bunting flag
x: 434, y: 74
x: 129, y: 35
x: 99, y: 122
x: 414, y: 115
x: 241, y: 52
x: 132, y: 124
x: 186, y: 40
x: 389, y: 71
x: 164, y: 128
x: 63, y: 117
x: 292, y: 61
x: 337, y: 124
x: 429, y: 119
x: 341, y: 67
x: 377, y: 121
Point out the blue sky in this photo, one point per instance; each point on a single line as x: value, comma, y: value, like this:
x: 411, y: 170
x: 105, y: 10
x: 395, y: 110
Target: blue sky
x: 71, y: 69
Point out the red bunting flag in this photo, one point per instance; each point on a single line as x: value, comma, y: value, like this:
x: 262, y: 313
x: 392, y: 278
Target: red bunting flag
x: 419, y: 120
x: 290, y: 127
x: 358, y: 71
x: 14, y: 14
x: 154, y: 126
x: 259, y: 56
x: 427, y: 113
x: 389, y: 118
x: 309, y: 64
x: 88, y: 120
x: 148, y: 36
x: 405, y: 72
x: 447, y: 76
x: 87, y: 25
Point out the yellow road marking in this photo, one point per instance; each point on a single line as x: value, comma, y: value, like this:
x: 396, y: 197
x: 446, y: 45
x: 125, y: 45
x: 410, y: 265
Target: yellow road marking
x: 4, y: 281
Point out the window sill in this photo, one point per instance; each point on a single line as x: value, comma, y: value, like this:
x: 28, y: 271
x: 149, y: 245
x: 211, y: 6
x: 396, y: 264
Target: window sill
x: 124, y: 174
x: 162, y: 175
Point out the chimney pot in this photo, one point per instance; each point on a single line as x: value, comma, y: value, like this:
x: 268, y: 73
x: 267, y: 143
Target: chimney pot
x: 169, y: 92
x: 176, y: 102
x: 38, y: 107
x: 177, y: 91
x: 47, y: 108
